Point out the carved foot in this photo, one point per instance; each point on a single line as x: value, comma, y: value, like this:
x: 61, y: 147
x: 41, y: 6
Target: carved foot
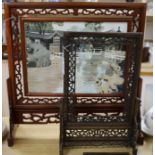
x: 61, y: 150
x: 140, y: 140
x: 10, y: 136
x: 134, y: 151
x: 10, y: 141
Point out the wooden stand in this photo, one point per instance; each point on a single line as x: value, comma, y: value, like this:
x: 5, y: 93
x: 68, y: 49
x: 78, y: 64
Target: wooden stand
x: 108, y: 126
x: 41, y: 109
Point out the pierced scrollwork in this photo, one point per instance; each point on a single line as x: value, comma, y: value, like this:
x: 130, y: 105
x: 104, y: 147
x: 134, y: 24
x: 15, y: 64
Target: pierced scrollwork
x: 41, y: 11
x: 99, y: 118
x: 108, y: 11
x: 80, y: 11
x: 100, y: 100
x: 18, y: 75
x: 40, y: 118
x: 96, y: 133
x: 70, y: 62
x: 16, y: 47
x: 135, y: 13
x: 51, y: 100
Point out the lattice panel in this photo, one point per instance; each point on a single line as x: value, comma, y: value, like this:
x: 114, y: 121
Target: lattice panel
x: 96, y: 133
x: 32, y: 100
x: 111, y: 11
x: 100, y: 100
x: 17, y: 53
x: 40, y: 118
x: 99, y: 118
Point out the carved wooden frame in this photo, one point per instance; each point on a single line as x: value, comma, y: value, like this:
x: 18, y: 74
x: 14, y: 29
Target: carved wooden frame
x: 23, y: 20
x: 108, y: 128
x: 48, y: 107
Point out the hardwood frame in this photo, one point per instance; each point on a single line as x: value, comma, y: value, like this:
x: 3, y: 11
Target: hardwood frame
x: 125, y: 71
x: 32, y: 19
x: 76, y: 130
x: 20, y: 104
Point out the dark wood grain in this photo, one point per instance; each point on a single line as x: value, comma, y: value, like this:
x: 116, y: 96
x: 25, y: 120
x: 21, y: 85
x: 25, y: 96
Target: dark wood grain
x: 46, y: 106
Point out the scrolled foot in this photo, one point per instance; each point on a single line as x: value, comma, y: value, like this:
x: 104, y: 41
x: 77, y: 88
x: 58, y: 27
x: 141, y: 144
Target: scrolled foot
x: 10, y: 141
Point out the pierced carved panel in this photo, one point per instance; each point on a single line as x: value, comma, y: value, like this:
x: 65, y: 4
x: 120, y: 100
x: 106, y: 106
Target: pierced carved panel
x: 40, y: 118
x: 110, y: 117
x: 96, y: 133
x: 100, y: 100
x: 104, y: 12
x: 33, y: 100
